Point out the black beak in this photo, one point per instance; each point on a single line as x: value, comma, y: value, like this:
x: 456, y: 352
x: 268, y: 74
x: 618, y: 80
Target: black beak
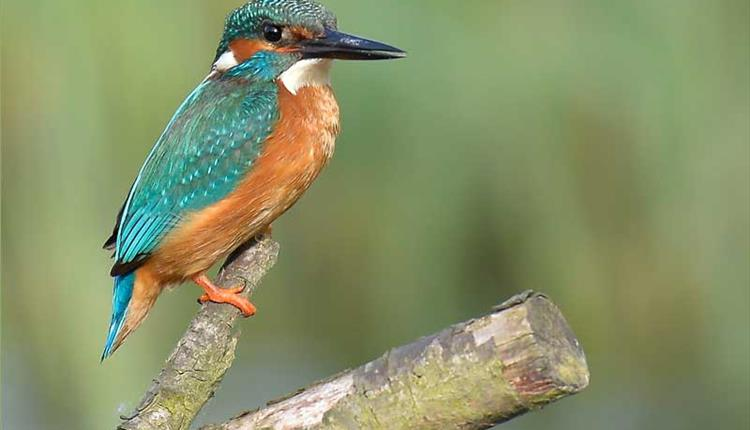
x: 334, y: 44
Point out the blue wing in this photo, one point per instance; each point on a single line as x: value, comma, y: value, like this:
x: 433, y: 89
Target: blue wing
x: 209, y: 145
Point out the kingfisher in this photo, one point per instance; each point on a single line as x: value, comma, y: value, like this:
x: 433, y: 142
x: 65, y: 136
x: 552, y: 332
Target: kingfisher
x: 240, y: 150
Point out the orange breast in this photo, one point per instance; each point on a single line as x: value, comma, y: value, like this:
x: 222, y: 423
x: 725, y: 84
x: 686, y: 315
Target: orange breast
x: 294, y: 154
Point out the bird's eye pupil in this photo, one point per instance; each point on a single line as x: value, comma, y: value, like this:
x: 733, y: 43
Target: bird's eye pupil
x: 272, y: 33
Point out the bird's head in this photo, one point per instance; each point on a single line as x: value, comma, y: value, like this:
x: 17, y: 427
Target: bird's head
x: 292, y: 40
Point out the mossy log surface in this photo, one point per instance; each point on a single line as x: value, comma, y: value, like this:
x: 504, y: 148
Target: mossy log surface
x: 472, y: 375
x: 197, y: 365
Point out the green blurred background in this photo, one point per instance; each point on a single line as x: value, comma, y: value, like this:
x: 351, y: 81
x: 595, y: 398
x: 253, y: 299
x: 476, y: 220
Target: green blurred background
x: 598, y: 151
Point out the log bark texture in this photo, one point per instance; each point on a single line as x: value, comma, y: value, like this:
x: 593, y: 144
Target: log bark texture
x: 197, y: 365
x: 473, y: 375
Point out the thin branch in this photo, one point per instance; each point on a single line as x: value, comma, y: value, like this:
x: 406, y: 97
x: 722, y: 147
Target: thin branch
x: 473, y: 375
x: 196, y: 367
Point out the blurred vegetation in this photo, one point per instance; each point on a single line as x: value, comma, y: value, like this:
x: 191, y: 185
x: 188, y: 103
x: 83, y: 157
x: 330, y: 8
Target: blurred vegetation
x: 598, y: 151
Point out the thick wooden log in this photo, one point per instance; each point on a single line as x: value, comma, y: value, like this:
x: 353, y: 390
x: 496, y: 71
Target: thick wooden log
x: 473, y: 375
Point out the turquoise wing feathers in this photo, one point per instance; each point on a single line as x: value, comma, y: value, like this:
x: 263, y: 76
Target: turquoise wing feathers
x: 206, y: 149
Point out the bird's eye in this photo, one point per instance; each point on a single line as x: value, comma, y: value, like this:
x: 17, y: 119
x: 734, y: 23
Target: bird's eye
x: 272, y: 33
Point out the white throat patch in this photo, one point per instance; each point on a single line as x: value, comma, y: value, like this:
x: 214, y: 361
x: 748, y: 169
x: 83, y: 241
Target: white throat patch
x: 307, y: 73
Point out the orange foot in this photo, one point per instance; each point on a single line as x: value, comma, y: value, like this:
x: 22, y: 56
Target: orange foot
x: 221, y: 295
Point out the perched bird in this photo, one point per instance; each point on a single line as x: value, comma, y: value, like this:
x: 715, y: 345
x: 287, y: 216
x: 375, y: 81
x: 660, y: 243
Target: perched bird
x: 240, y: 150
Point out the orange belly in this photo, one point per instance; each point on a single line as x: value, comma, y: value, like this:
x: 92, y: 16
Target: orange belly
x: 294, y: 154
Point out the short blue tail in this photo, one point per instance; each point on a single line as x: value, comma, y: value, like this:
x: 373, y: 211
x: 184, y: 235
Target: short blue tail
x: 120, y: 301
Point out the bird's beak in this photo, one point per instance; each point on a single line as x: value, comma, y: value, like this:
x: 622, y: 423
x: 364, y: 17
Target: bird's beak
x: 334, y: 44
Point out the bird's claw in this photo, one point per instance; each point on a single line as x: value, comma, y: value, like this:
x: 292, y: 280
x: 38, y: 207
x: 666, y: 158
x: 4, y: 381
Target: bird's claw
x: 230, y: 296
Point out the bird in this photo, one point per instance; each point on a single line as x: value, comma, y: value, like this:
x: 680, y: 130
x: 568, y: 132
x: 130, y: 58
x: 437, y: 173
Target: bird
x: 239, y: 151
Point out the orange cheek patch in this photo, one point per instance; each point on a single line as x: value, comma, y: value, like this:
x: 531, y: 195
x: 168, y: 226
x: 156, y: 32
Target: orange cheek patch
x: 243, y: 49
x: 246, y: 48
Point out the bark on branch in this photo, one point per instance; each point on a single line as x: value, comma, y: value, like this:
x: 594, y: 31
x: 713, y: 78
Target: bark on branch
x: 472, y: 375
x: 197, y: 365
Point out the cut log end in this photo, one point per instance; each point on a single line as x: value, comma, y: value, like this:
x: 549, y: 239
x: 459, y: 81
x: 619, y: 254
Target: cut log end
x: 543, y: 359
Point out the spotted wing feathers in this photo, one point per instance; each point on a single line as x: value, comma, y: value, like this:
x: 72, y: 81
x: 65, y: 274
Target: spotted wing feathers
x: 208, y: 146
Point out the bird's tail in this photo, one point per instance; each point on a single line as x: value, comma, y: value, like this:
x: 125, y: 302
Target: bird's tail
x: 132, y: 299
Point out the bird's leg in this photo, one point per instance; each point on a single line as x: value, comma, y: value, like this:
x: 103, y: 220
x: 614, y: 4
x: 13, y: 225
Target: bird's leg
x: 221, y: 295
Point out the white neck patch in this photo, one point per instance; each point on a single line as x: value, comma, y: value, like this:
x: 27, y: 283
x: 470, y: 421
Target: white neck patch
x: 226, y: 61
x: 307, y: 73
